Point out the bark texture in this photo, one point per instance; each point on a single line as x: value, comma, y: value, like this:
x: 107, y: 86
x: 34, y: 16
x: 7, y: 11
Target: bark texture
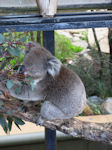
x: 74, y: 127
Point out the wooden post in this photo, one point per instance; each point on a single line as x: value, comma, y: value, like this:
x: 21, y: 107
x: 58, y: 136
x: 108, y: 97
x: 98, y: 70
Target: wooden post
x: 50, y: 135
x: 47, y: 7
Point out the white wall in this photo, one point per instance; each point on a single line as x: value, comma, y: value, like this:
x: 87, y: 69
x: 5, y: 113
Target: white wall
x: 31, y: 3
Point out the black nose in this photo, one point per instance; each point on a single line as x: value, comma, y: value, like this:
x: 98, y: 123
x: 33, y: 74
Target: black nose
x: 21, y: 69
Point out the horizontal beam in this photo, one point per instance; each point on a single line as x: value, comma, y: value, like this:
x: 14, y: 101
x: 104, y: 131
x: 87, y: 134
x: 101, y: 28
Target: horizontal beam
x: 87, y: 6
x: 21, y: 23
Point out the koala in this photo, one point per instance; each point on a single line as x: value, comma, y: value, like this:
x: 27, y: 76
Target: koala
x: 61, y: 90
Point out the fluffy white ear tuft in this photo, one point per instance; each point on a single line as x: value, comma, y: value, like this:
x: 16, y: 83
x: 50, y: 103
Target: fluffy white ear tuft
x: 54, y: 66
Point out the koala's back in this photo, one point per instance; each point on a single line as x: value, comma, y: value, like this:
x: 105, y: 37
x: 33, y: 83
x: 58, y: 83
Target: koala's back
x: 67, y: 92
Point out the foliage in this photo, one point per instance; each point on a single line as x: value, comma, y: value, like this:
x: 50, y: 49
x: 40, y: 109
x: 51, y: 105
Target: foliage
x: 96, y: 109
x: 11, y: 55
x: 84, y: 35
x: 7, y: 121
x: 64, y: 47
x: 89, y: 71
x: 12, y: 49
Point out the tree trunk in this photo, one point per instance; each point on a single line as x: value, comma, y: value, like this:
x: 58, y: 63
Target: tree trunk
x: 110, y: 45
x: 100, y: 55
x: 39, y: 36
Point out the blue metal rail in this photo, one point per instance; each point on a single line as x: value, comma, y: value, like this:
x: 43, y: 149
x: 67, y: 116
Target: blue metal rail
x: 21, y: 23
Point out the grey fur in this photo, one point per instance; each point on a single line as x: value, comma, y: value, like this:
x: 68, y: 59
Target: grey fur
x: 61, y: 90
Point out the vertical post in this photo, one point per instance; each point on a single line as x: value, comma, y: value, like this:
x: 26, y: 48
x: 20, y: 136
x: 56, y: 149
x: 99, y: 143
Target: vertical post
x: 50, y: 135
x: 48, y: 40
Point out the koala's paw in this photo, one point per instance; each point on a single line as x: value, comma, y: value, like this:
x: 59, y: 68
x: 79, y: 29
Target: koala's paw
x: 40, y: 121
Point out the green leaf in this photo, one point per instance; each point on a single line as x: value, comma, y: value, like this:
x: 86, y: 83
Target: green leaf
x: 17, y: 126
x: 15, y: 51
x: 19, y: 108
x: 30, y: 80
x: 1, y: 49
x: 19, y: 121
x: 14, y: 111
x: 3, y: 123
x: 1, y: 38
x: 32, y: 84
x: 13, y: 62
x: 9, y: 84
x: 18, y: 90
x: 1, y: 92
x: 9, y: 123
x: 23, y: 39
x: 1, y: 102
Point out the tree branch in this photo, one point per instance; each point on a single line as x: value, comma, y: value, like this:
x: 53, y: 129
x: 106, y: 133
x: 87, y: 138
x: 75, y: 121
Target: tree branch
x: 74, y: 127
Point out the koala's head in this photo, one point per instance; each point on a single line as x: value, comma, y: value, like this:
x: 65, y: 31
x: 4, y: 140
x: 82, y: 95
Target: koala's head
x: 38, y: 62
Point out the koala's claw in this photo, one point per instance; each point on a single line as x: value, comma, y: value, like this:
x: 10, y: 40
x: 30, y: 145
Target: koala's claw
x: 40, y: 121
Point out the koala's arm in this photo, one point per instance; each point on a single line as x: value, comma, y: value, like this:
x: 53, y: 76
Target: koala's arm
x: 25, y: 93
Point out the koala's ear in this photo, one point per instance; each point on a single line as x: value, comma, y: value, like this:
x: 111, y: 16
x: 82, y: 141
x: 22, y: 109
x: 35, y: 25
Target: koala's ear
x: 31, y: 45
x: 53, y: 66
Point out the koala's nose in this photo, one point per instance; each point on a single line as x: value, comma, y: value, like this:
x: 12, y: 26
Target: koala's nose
x: 22, y: 69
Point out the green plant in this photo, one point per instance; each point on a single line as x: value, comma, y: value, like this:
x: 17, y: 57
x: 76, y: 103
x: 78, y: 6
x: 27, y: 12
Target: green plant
x: 64, y: 47
x: 96, y: 109
x: 11, y: 54
x: 6, y: 122
x: 84, y: 35
x: 89, y: 71
x: 12, y: 49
